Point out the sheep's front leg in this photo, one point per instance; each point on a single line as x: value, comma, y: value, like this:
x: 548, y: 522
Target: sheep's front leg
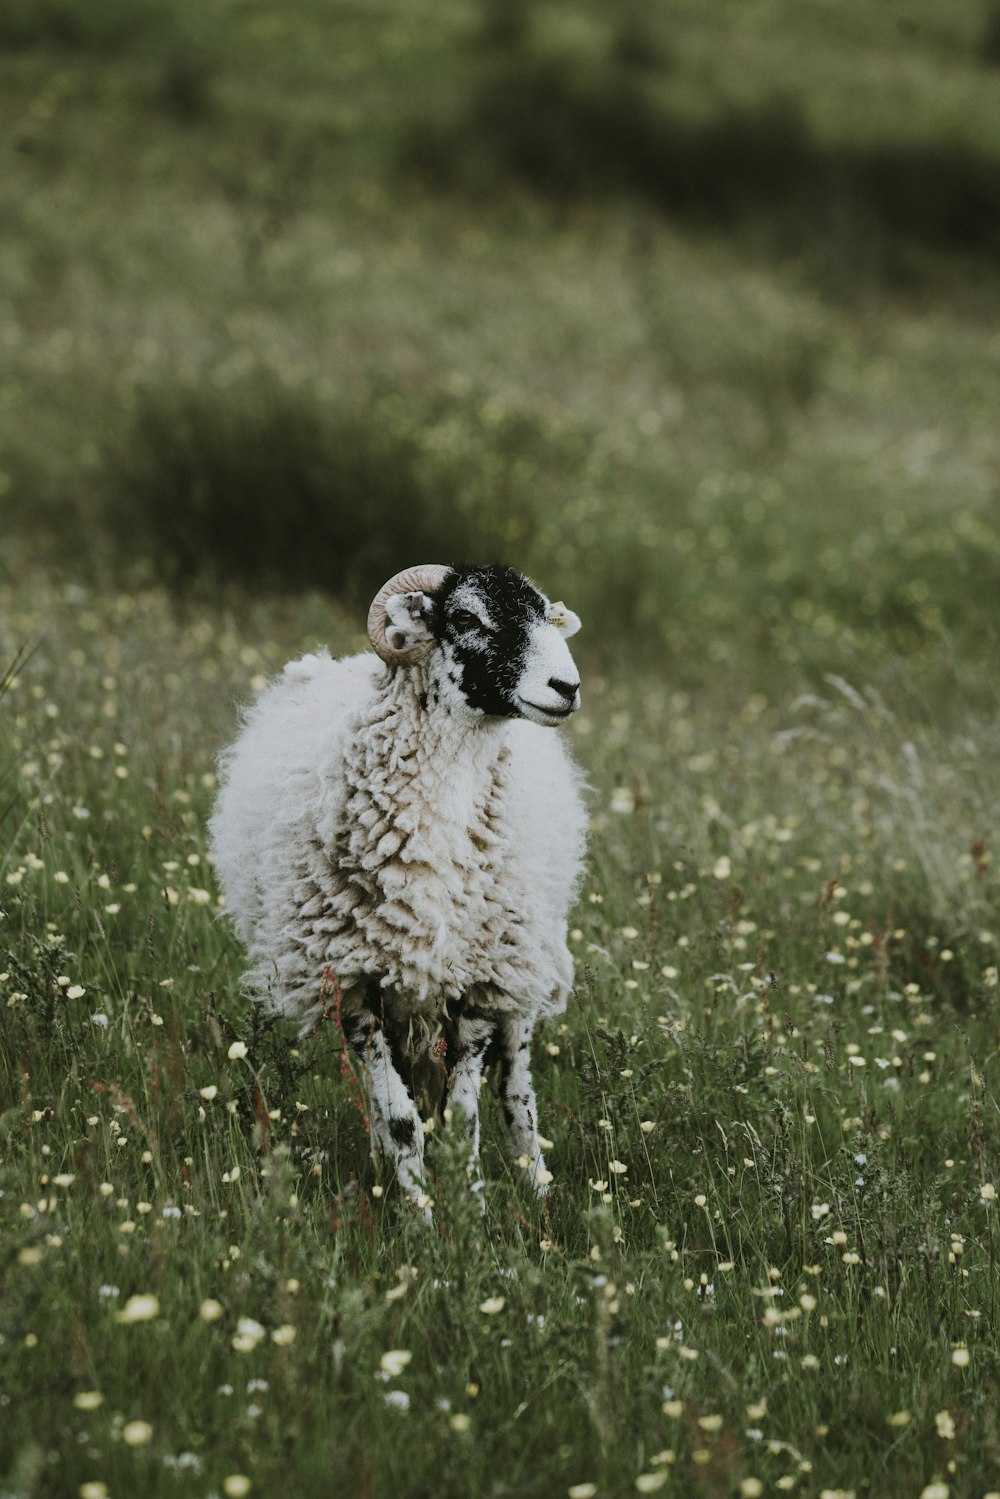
x: 395, y: 1123
x: 517, y: 1096
x: 473, y: 1034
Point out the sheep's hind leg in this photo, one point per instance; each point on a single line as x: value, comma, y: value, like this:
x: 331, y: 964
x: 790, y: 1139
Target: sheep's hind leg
x: 517, y: 1096
x: 472, y: 1036
x: 396, y: 1127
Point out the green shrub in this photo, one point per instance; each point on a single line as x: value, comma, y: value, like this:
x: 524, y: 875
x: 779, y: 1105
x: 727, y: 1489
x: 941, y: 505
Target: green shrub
x: 570, y: 134
x: 989, y: 44
x: 85, y: 25
x: 173, y: 36
x: 183, y: 89
x: 504, y: 24
x: 637, y: 47
x: 271, y: 487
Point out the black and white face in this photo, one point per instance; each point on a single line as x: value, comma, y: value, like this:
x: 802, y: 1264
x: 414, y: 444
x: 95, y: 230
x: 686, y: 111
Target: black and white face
x: 501, y: 645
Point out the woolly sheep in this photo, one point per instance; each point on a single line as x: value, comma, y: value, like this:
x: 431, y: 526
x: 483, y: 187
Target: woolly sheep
x: 401, y: 824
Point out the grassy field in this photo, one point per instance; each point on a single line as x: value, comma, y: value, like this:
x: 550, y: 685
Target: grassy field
x: 762, y: 461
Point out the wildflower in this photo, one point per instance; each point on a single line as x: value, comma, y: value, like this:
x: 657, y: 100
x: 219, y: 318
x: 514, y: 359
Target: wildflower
x: 819, y: 1210
x: 236, y: 1486
x: 988, y: 1192
x: 140, y: 1309
x: 248, y: 1334
x: 88, y: 1400
x: 394, y: 1361
x: 210, y: 1310
x: 581, y: 1491
x: 710, y: 1423
x: 945, y: 1425
x: 935, y: 1491
x: 137, y: 1433
x: 722, y: 868
x: 284, y: 1335
x: 492, y: 1305
x: 75, y: 991
x: 208, y: 1093
x: 237, y: 1051
x: 397, y: 1400
x: 648, y: 1483
x: 960, y: 1356
x: 751, y: 1488
x: 93, y: 1489
x: 460, y: 1422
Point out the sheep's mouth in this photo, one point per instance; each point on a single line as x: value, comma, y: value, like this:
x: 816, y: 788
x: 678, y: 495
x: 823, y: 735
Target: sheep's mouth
x: 545, y: 715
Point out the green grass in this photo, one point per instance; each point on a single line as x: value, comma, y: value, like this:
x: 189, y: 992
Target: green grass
x: 764, y: 472
x: 781, y: 1051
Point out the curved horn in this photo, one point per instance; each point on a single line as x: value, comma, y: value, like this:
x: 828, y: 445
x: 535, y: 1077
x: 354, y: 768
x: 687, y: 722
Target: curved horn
x: 425, y: 579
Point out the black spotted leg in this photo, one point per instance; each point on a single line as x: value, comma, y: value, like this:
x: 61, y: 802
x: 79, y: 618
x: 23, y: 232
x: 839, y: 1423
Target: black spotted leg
x: 517, y: 1096
x: 474, y: 1031
x: 395, y: 1123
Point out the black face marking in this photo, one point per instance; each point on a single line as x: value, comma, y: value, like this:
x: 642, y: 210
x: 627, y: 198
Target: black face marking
x: 488, y: 644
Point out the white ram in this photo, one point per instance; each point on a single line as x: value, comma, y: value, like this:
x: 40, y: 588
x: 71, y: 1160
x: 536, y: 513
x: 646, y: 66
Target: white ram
x: 403, y: 821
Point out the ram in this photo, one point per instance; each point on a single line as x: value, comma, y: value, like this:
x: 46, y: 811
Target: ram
x: 404, y: 825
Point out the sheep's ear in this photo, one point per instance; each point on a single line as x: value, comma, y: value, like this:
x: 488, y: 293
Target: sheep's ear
x: 407, y: 625
x: 564, y: 619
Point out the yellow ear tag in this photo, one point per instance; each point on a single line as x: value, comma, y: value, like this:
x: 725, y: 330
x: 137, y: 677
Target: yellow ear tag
x: 558, y: 615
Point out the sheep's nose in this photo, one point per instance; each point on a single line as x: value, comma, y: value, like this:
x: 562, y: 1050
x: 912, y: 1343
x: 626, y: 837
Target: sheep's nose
x: 568, y: 690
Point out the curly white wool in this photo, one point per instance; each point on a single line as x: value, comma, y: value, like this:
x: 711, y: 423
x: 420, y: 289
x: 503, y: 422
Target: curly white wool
x: 358, y: 831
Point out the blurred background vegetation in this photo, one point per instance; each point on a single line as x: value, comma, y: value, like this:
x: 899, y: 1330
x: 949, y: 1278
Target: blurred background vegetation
x: 688, y: 309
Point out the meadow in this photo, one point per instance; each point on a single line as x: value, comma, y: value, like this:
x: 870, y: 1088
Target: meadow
x: 284, y: 305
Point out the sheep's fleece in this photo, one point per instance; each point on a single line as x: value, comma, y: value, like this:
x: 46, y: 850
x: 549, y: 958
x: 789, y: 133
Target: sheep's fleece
x: 409, y: 829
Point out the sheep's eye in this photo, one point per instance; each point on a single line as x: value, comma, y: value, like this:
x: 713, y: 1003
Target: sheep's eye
x: 462, y: 619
